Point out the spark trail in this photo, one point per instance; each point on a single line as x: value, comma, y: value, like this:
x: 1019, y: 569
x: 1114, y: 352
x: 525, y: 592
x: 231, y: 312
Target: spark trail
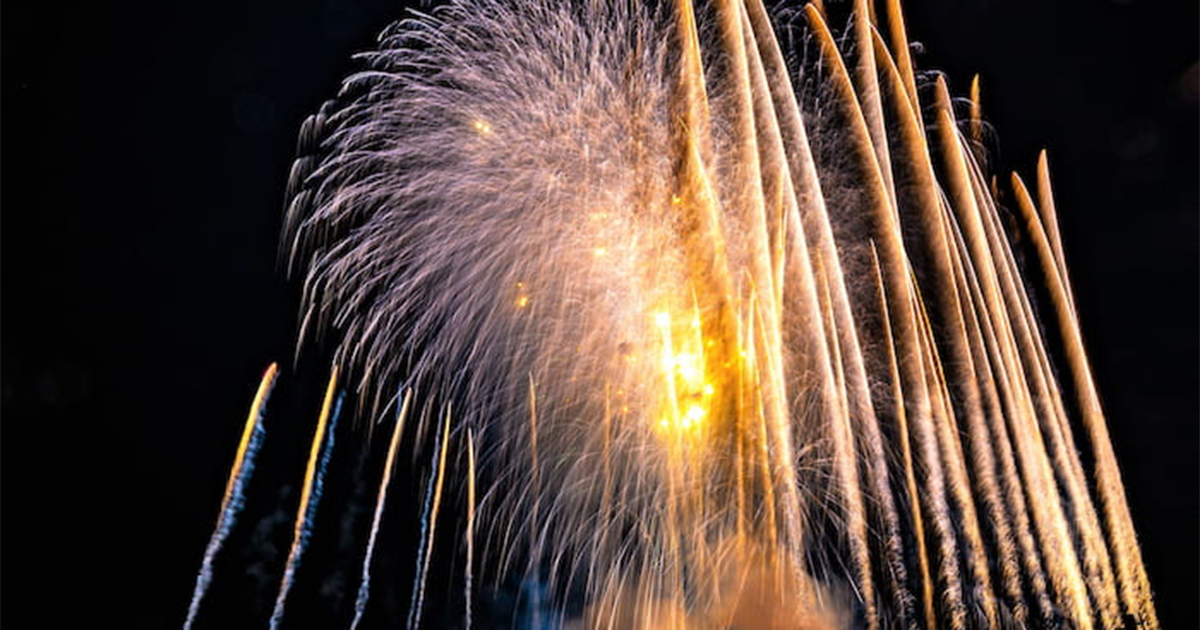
x: 429, y: 517
x: 310, y: 496
x: 469, y: 535
x: 364, y: 588
x: 787, y: 369
x: 239, y: 476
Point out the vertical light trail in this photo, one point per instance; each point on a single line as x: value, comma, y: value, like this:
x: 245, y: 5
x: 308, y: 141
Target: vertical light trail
x: 364, y: 588
x: 239, y: 476
x: 433, y: 500
x: 906, y: 457
x: 310, y: 496
x: 1094, y: 554
x: 468, y: 587
x: 535, y: 521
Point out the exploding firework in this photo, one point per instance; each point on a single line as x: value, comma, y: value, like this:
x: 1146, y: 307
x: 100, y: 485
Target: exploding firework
x: 725, y: 319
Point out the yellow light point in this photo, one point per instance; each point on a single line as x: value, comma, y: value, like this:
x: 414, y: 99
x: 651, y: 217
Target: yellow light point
x: 687, y: 396
x: 676, y: 199
x: 522, y: 298
x: 687, y: 366
x: 599, y: 252
x: 482, y: 127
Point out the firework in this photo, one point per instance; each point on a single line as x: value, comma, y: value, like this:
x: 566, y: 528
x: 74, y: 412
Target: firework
x: 235, y: 489
x: 310, y: 496
x: 741, y: 343
x: 364, y: 589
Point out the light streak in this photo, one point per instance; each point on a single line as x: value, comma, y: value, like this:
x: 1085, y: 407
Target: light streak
x: 235, y: 487
x: 429, y: 517
x: 310, y: 495
x: 364, y: 588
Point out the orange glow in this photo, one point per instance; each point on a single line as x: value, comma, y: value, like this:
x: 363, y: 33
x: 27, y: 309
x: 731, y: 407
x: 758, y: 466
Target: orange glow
x: 522, y: 296
x: 687, y: 395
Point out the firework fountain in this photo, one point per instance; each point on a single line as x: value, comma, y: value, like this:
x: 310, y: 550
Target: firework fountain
x: 727, y: 318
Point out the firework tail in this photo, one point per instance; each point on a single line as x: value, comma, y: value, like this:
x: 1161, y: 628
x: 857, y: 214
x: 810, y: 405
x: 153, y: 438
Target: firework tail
x: 239, y: 476
x: 429, y: 516
x: 364, y: 588
x: 469, y: 534
x: 1130, y: 571
x: 535, y: 521
x: 310, y: 496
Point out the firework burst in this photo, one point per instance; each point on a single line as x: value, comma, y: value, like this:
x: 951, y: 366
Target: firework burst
x: 737, y: 338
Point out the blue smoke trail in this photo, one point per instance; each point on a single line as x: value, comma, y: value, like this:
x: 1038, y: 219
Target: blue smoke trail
x: 429, y: 523
x: 308, y: 504
x: 470, y: 576
x: 364, y: 588
x: 235, y: 498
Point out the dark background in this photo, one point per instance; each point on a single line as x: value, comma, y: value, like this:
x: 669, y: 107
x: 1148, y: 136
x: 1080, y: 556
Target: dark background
x: 146, y: 147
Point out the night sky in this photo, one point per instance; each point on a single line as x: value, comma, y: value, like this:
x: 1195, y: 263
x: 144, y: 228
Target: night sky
x: 147, y: 146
